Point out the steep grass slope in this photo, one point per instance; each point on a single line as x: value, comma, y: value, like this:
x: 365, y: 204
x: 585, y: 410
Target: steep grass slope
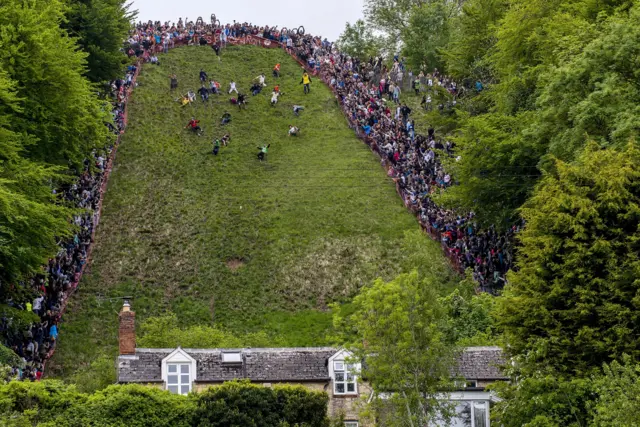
x: 248, y: 245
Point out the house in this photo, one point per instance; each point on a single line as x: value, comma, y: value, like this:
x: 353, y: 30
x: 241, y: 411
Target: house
x: 183, y: 370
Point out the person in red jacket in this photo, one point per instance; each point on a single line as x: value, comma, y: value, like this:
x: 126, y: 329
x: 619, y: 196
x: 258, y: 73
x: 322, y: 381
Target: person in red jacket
x: 193, y: 125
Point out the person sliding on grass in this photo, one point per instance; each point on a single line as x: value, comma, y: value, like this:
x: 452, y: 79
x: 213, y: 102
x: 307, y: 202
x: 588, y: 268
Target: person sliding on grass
x: 216, y: 147
x: 262, y: 155
x: 225, y: 139
x: 174, y: 81
x: 204, y: 93
x: 293, y: 130
x: 225, y: 119
x: 242, y: 101
x: 274, y: 98
x: 297, y: 109
x: 193, y: 125
x: 306, y: 81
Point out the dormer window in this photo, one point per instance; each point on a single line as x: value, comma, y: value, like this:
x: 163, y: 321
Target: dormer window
x: 344, y: 378
x: 179, y: 372
x: 344, y: 373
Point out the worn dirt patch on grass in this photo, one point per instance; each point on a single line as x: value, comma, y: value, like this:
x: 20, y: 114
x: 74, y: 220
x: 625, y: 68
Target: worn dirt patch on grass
x: 234, y: 264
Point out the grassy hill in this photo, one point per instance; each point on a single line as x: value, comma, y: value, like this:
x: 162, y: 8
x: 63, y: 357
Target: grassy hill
x: 250, y: 246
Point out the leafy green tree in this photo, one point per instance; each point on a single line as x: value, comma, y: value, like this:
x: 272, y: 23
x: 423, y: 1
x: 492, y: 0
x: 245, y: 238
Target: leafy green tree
x: 596, y: 93
x: 618, y: 388
x: 389, y: 16
x: 245, y: 404
x: 399, y: 327
x: 30, y: 220
x: 543, y: 401
x: 496, y: 167
x: 426, y: 33
x: 469, y: 316
x: 101, y: 26
x: 573, y: 303
x: 358, y: 41
x: 472, y: 36
x: 58, y: 108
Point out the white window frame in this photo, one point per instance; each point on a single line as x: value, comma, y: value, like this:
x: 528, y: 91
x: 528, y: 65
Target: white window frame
x: 339, y: 365
x: 179, y: 374
x: 351, y: 424
x: 179, y: 358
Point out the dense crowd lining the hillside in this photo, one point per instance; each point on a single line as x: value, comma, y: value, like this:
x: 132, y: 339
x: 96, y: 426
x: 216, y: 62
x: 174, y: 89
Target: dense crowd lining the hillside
x: 369, y: 95
x: 61, y: 275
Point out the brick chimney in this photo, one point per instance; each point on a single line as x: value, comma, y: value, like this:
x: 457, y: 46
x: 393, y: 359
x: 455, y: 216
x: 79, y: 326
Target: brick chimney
x: 127, y: 331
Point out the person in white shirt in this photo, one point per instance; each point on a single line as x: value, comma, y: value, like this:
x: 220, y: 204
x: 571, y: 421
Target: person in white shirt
x: 261, y: 80
x: 232, y: 87
x: 293, y: 130
x: 274, y: 98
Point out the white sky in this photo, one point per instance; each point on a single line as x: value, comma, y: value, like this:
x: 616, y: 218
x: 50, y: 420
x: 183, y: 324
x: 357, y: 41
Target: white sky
x: 326, y: 18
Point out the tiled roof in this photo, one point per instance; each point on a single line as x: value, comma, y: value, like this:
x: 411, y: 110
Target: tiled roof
x: 481, y: 363
x: 259, y: 364
x: 281, y: 364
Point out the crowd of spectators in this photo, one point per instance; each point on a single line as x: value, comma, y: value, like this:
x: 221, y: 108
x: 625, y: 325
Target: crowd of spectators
x: 368, y: 93
x: 50, y: 289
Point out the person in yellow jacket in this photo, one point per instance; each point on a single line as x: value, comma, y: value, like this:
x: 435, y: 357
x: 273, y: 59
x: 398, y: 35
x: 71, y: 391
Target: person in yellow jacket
x: 306, y: 81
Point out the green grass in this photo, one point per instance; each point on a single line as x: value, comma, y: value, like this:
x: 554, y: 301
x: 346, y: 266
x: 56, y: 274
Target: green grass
x: 311, y: 225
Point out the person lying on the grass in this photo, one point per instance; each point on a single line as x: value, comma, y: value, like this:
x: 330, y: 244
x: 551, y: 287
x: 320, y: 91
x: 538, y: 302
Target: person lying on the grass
x: 242, y: 101
x: 232, y: 87
x: 193, y: 125
x: 204, y: 93
x: 226, y: 118
x: 214, y: 87
x: 191, y: 96
x: 255, y: 89
x: 225, y: 139
x: 293, y: 130
x: 260, y: 80
x: 203, y: 76
x: 297, y: 109
x: 274, y: 98
x: 185, y: 100
x: 263, y: 152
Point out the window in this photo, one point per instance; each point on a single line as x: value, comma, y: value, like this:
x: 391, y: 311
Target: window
x: 344, y: 378
x: 350, y: 424
x: 179, y: 378
x: 232, y: 357
x: 480, y: 414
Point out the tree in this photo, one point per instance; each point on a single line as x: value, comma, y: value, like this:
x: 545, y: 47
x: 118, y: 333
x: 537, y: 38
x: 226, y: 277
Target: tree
x: 59, y: 110
x: 496, y: 167
x: 389, y: 16
x: 358, y: 41
x: 245, y: 404
x: 426, y: 33
x: 399, y: 336
x: 473, y: 35
x: 618, y: 388
x: 30, y: 220
x: 573, y: 303
x: 100, y: 26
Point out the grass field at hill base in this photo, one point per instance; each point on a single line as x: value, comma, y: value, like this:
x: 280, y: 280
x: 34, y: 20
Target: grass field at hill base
x: 229, y: 240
